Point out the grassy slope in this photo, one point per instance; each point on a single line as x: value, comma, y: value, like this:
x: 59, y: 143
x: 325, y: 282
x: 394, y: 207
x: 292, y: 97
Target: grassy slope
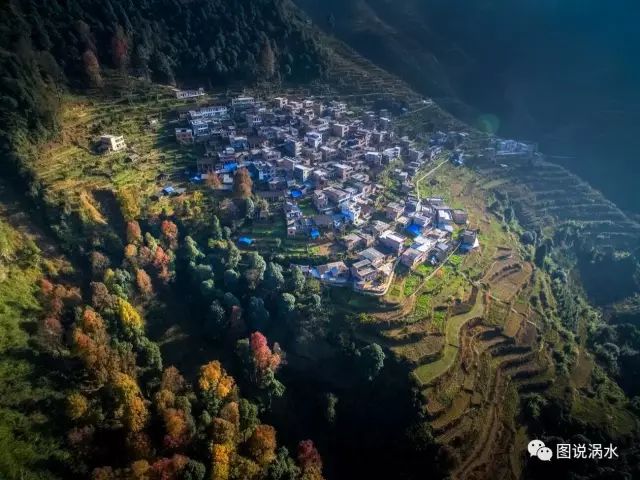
x: 26, y: 394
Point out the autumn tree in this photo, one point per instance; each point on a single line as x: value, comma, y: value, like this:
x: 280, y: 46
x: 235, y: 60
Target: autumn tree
x: 176, y: 428
x: 169, y: 232
x: 77, y: 405
x: 231, y: 413
x: 172, y: 380
x: 100, y: 296
x: 242, y: 183
x: 92, y: 69
x: 130, y: 318
x: 309, y: 460
x: 131, y: 254
x: 262, y: 444
x: 169, y: 468
x: 134, y: 232
x: 215, y: 385
x: 162, y: 264
x: 99, y: 263
x: 223, y: 431
x: 50, y: 334
x: 131, y: 407
x: 129, y: 204
x: 220, y: 461
x: 213, y: 181
x: 143, y: 281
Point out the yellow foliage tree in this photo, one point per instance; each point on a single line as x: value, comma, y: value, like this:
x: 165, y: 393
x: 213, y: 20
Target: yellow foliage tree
x: 221, y: 458
x: 129, y: 205
x: 132, y: 408
x: 214, y: 380
x: 129, y: 316
x: 77, y: 405
x: 140, y: 470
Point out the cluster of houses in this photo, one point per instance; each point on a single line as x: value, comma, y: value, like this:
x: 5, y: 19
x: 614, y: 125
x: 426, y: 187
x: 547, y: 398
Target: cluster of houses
x: 319, y: 161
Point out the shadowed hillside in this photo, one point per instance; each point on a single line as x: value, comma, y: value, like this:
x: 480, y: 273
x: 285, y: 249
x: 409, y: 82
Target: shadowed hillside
x: 562, y: 73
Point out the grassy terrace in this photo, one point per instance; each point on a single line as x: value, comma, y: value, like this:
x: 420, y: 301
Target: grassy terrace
x: 70, y: 168
x: 425, y: 374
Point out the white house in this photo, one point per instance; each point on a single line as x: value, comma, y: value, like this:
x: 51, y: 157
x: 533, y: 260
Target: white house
x: 183, y: 94
x: 313, y: 139
x: 112, y: 143
x: 243, y: 102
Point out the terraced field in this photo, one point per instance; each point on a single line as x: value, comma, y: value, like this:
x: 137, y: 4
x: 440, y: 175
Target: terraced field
x: 546, y: 194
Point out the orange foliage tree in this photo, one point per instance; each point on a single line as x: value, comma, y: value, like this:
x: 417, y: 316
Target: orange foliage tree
x: 169, y: 233
x: 262, y: 444
x: 177, y: 428
x: 263, y: 358
x: 143, y: 281
x: 134, y: 232
x: 242, y: 183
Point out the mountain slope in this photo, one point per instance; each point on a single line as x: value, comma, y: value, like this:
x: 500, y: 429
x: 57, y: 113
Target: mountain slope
x: 562, y: 73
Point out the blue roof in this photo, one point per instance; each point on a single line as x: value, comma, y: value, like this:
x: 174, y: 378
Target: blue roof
x: 168, y: 189
x: 414, y: 229
x: 245, y: 240
x: 230, y: 167
x: 296, y: 193
x: 315, y: 233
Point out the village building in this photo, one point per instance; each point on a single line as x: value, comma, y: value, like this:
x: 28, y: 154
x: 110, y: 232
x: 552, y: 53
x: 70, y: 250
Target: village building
x: 112, y: 143
x: 459, y: 217
x: 184, y: 135
x: 184, y: 94
x: 393, y: 241
x: 412, y: 257
x: 393, y: 211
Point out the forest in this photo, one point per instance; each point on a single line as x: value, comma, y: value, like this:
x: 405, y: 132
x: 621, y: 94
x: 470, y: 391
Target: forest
x: 46, y: 47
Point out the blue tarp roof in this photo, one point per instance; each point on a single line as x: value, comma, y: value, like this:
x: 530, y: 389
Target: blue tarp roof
x: 414, y: 229
x: 245, y: 240
x: 315, y: 233
x: 230, y: 167
x: 168, y: 189
x: 296, y: 193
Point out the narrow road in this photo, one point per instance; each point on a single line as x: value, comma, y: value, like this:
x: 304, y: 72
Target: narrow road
x: 428, y: 174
